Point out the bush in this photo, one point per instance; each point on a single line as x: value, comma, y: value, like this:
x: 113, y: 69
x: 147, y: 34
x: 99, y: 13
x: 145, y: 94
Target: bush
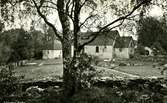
x: 9, y: 83
x: 85, y: 71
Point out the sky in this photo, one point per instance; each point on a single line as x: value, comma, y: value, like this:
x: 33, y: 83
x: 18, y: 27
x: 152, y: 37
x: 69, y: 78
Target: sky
x: 156, y: 12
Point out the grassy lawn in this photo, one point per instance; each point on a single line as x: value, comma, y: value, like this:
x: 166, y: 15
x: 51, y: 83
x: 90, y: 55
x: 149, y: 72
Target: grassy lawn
x: 47, y: 61
x: 50, y: 70
x: 143, y: 71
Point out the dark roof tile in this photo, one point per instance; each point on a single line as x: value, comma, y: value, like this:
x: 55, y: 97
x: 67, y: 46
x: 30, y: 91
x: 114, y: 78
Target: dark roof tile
x: 104, y: 38
x: 123, y: 42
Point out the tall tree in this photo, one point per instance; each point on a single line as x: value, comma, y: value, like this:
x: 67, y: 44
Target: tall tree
x: 69, y: 16
x: 152, y: 33
x: 37, y: 41
x: 16, y: 44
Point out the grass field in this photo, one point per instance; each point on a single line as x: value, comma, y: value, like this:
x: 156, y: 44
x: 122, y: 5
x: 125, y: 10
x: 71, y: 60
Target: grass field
x: 49, y: 70
x: 143, y: 71
x: 52, y: 69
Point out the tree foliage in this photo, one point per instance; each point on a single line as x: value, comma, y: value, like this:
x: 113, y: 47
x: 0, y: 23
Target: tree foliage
x: 37, y: 43
x: 18, y: 44
x: 152, y: 33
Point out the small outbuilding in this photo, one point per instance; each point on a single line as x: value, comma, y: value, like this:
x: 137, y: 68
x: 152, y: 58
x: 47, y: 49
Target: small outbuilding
x: 124, y: 47
x: 52, y: 50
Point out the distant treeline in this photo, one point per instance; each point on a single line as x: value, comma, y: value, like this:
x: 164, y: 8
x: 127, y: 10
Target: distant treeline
x: 18, y: 44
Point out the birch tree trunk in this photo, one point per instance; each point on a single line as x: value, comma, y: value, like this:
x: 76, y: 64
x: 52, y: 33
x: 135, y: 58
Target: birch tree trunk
x: 68, y: 67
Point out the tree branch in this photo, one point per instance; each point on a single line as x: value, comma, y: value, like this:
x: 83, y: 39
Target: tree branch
x: 83, y: 4
x: 55, y: 8
x: 117, y: 25
x: 46, y: 21
x: 124, y: 17
x: 68, y: 6
x: 72, y: 8
x: 87, y: 20
x: 51, y: 2
x: 51, y: 7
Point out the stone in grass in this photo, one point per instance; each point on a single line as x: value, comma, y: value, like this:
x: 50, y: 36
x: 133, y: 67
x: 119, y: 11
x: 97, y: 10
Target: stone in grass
x: 113, y: 66
x: 34, y: 91
x: 165, y: 65
x: 53, y: 90
x: 144, y: 97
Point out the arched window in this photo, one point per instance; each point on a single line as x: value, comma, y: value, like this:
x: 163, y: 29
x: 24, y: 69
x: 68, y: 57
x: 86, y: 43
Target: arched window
x: 97, y: 49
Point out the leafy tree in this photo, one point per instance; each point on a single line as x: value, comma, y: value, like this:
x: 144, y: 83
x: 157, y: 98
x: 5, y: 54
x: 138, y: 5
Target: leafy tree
x: 5, y: 53
x: 7, y: 40
x: 152, y: 33
x: 18, y: 44
x: 37, y: 43
x: 69, y: 16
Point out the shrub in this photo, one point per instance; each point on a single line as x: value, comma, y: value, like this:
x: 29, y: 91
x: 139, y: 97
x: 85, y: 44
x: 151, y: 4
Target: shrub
x: 9, y: 83
x: 85, y: 71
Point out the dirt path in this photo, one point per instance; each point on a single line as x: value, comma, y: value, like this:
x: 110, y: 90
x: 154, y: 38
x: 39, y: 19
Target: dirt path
x: 115, y: 74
